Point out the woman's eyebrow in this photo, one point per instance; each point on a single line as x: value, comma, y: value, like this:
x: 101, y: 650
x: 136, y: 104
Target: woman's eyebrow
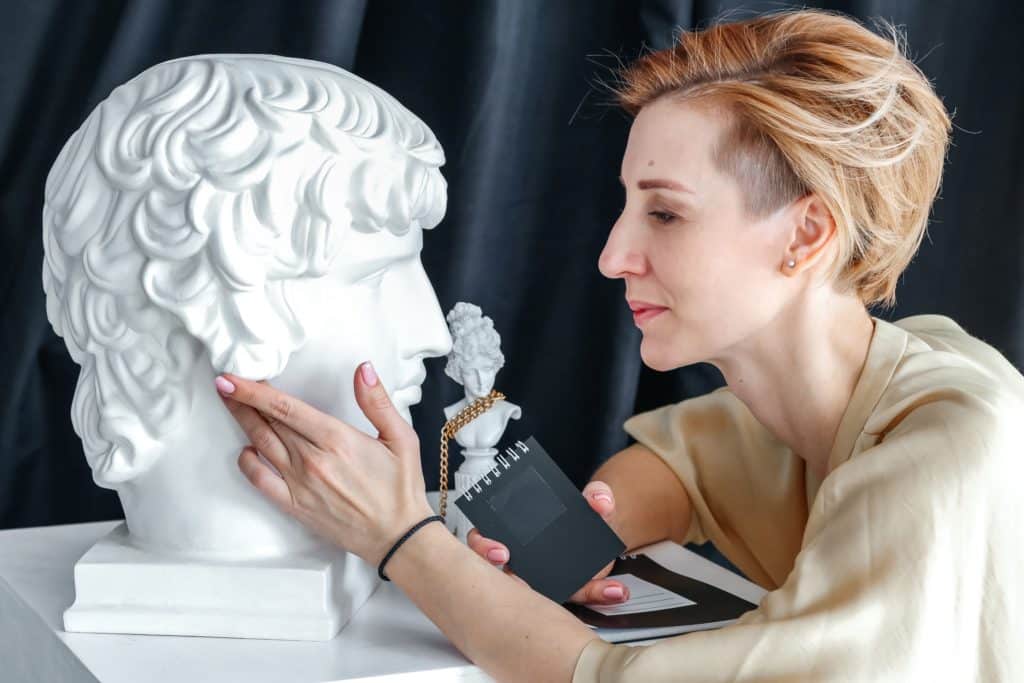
x: 660, y: 183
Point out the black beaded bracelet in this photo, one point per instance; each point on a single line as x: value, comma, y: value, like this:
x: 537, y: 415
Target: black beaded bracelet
x: 403, y: 539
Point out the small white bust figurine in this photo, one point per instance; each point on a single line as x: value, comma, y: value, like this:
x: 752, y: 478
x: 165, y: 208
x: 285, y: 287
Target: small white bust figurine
x: 474, y: 362
x: 254, y: 214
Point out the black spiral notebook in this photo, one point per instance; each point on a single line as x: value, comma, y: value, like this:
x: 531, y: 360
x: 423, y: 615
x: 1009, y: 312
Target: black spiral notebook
x: 557, y: 542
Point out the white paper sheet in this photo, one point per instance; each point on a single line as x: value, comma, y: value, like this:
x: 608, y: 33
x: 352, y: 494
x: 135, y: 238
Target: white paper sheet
x: 644, y: 596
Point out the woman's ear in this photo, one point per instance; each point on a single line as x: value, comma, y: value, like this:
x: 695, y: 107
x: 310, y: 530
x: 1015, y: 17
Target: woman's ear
x: 813, y: 229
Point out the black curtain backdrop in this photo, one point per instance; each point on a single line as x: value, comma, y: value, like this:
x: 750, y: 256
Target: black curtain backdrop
x: 533, y: 158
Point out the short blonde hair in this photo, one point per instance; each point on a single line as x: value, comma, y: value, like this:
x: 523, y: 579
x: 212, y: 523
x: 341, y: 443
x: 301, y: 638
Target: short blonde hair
x: 819, y: 104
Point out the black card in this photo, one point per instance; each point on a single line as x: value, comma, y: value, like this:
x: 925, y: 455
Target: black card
x: 556, y: 540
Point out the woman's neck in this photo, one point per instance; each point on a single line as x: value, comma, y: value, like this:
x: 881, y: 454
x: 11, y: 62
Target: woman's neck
x: 798, y: 373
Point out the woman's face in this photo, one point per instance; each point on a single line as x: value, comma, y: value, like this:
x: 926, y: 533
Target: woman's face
x: 709, y: 274
x: 478, y: 381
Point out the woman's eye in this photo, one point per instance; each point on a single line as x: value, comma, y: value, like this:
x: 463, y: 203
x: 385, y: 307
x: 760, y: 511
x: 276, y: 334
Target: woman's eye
x: 661, y: 216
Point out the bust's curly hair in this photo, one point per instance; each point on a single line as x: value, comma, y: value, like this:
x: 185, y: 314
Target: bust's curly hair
x: 473, y: 336
x: 183, y: 207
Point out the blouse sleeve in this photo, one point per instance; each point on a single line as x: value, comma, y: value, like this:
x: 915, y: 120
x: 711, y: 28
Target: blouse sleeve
x: 903, y: 543
x: 747, y: 490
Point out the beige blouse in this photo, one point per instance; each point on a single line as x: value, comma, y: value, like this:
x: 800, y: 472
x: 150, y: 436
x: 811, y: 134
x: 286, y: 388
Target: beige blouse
x: 905, y: 564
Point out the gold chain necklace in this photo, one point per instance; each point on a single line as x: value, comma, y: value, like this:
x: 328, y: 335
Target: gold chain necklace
x: 461, y: 419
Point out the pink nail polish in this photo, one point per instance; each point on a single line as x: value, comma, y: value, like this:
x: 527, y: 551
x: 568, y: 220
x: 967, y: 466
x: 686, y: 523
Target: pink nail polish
x: 223, y: 385
x: 497, y: 555
x: 613, y: 593
x: 369, y: 374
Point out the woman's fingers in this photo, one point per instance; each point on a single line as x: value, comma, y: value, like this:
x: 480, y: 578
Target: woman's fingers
x: 260, y: 434
x: 601, y: 591
x: 601, y: 499
x: 264, y: 478
x: 489, y: 549
x: 497, y: 555
x: 392, y: 429
x: 278, y: 406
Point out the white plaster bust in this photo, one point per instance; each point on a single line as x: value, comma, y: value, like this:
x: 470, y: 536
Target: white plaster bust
x: 253, y: 214
x: 474, y: 362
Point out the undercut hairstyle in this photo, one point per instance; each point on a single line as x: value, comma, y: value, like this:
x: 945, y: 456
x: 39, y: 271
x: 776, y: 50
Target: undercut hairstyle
x: 816, y: 103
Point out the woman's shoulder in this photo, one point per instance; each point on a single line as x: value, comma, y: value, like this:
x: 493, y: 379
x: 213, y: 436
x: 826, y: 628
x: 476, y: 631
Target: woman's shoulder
x: 953, y: 404
x: 942, y: 360
x: 716, y: 420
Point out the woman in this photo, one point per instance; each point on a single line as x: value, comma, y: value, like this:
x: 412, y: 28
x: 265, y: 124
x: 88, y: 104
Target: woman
x: 778, y: 175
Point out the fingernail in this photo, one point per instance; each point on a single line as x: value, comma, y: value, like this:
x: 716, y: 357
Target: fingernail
x: 497, y: 555
x: 223, y: 385
x: 603, y: 496
x: 369, y: 375
x: 613, y: 593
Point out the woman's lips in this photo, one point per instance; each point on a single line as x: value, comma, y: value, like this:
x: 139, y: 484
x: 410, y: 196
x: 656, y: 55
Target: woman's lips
x: 643, y: 311
x: 644, y: 314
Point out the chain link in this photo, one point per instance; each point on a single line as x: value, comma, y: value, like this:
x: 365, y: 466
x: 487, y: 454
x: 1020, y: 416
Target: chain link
x: 452, y: 426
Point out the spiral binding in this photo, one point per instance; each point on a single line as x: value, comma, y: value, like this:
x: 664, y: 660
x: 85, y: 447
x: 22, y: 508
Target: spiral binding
x: 501, y: 463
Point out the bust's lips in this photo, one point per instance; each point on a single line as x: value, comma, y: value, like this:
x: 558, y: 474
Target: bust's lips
x: 410, y: 391
x: 408, y: 396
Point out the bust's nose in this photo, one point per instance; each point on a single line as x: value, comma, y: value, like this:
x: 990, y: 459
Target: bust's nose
x: 423, y: 330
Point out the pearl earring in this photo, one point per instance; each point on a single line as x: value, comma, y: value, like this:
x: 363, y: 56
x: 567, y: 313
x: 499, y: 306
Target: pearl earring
x: 790, y: 263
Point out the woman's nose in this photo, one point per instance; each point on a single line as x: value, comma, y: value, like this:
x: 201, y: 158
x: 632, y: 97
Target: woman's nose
x: 620, y: 256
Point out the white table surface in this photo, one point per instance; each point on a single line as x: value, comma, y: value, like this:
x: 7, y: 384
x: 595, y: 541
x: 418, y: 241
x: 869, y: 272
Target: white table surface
x: 387, y: 641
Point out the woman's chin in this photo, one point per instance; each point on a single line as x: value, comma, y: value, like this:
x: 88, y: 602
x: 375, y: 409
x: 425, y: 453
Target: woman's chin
x: 658, y: 359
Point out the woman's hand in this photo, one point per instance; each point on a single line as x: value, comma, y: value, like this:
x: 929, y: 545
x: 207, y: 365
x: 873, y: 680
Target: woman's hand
x: 359, y: 492
x: 597, y: 590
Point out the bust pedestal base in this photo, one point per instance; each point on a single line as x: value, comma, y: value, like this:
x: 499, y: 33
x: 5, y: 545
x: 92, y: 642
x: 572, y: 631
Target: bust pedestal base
x: 120, y: 588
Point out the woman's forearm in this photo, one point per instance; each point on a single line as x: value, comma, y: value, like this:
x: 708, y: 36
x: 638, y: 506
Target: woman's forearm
x: 651, y: 504
x: 510, y: 631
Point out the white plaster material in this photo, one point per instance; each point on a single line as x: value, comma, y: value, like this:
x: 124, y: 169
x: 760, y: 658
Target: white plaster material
x: 254, y: 214
x: 474, y: 362
x: 280, y: 598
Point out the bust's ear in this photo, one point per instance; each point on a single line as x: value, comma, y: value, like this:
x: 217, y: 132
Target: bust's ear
x: 118, y: 436
x: 128, y: 400
x: 812, y: 230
